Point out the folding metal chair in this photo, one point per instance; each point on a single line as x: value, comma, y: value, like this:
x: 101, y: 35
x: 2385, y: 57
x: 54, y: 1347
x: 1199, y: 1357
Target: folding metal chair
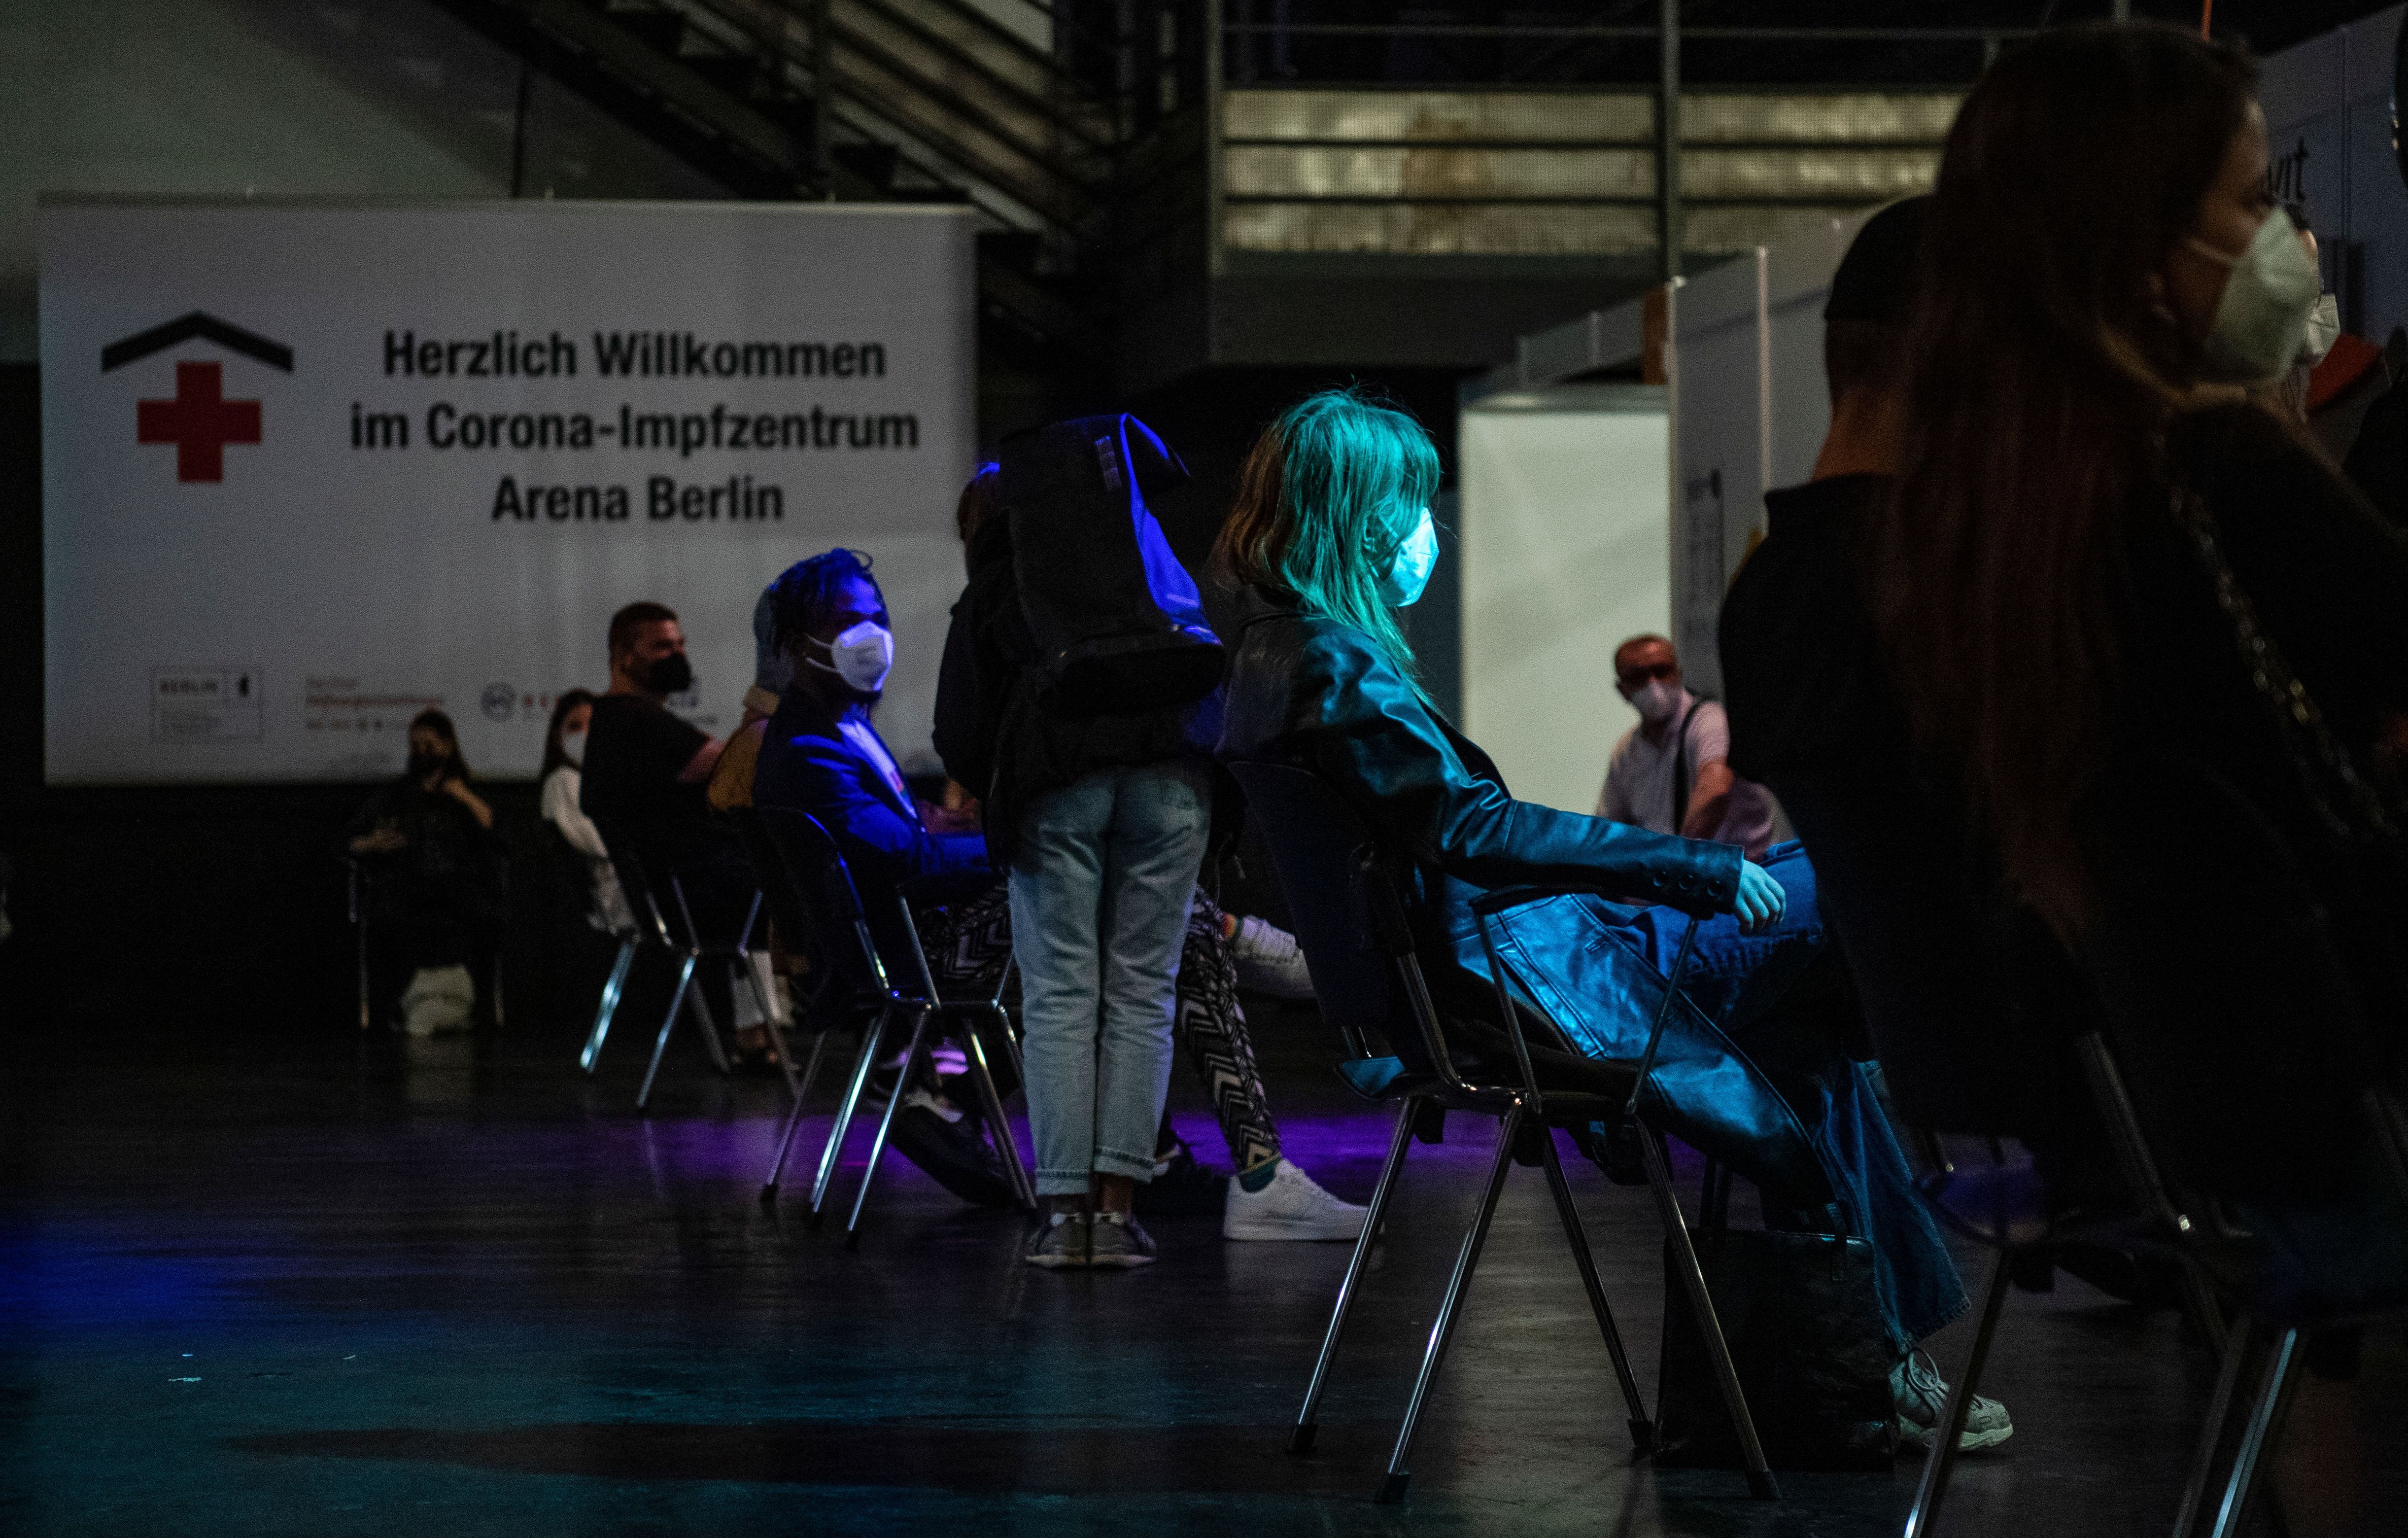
x: 859, y: 984
x: 358, y: 877
x: 355, y: 883
x: 664, y: 919
x: 1368, y: 976
x: 1957, y: 1058
x: 791, y: 916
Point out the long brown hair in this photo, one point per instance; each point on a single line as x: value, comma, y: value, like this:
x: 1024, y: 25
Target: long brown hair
x: 2040, y: 369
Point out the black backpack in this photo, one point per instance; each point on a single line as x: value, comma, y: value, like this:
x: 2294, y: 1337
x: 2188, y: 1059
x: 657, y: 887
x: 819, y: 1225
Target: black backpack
x: 1116, y: 623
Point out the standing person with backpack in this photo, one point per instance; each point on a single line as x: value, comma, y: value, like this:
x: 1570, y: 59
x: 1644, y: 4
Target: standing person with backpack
x: 1080, y: 699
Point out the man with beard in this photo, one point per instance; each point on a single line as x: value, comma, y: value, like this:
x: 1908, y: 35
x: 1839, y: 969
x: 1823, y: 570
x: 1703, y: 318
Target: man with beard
x: 647, y: 774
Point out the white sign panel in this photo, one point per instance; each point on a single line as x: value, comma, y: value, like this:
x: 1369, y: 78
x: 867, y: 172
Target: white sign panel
x: 309, y: 468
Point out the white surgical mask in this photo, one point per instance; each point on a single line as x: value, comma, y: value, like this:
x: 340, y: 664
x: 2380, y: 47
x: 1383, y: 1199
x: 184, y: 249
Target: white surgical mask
x: 862, y: 655
x: 1656, y: 700
x: 2324, y: 329
x: 2263, y: 319
x: 573, y: 744
x: 1416, y: 558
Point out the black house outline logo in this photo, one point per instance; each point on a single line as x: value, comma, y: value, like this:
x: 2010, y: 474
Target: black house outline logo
x: 199, y: 421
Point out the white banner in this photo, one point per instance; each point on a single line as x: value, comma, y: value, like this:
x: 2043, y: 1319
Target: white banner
x: 309, y: 468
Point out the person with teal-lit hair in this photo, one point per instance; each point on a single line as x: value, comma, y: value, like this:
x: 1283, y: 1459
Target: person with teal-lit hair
x: 1330, y: 536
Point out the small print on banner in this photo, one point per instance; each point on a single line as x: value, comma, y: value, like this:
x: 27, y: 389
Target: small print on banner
x: 206, y: 705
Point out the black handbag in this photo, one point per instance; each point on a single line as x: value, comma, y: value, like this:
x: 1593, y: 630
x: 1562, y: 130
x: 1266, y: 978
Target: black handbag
x: 1804, y: 1326
x: 2357, y: 862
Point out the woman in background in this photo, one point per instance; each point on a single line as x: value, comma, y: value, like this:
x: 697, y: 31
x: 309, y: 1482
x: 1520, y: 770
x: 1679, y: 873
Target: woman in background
x: 563, y: 775
x: 437, y: 877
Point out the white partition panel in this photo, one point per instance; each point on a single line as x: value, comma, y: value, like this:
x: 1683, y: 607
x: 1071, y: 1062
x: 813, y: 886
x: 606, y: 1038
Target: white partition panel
x: 1565, y: 525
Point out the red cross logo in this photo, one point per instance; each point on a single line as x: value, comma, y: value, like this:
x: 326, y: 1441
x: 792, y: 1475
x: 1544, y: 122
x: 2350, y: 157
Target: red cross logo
x: 199, y: 422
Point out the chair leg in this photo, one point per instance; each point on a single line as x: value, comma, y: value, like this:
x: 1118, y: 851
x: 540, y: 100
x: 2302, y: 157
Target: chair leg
x: 608, y: 1007
x: 756, y: 972
x: 710, y: 1024
x: 1300, y: 1439
x: 794, y: 1121
x: 1392, y: 1487
x: 810, y: 1067
x: 886, y: 1128
x: 871, y: 1041
x: 998, y: 1125
x: 1710, y: 1326
x: 1941, y: 1457
x: 660, y: 1044
x: 2266, y: 1414
x: 1642, y: 1431
x: 2240, y: 1345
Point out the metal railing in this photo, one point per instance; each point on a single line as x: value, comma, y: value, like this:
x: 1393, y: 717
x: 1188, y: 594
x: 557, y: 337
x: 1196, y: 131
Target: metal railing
x: 1552, y: 190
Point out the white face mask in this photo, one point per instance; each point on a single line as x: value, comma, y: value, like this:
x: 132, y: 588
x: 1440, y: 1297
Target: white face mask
x: 2263, y: 319
x: 2324, y: 329
x: 862, y: 655
x: 1656, y: 700
x: 1416, y: 558
x: 573, y: 744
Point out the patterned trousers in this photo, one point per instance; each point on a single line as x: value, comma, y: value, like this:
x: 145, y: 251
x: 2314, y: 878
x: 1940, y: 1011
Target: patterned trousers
x: 969, y: 943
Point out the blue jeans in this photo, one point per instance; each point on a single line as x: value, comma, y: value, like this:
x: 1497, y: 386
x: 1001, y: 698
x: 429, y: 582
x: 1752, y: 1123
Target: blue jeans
x: 1739, y: 980
x: 1578, y: 954
x: 1099, y: 895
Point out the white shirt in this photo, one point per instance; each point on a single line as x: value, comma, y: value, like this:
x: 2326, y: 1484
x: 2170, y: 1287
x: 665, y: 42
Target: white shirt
x: 1639, y: 778
x: 864, y: 737
x: 560, y: 809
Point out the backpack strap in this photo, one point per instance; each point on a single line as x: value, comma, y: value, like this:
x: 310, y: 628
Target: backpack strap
x: 1681, y: 768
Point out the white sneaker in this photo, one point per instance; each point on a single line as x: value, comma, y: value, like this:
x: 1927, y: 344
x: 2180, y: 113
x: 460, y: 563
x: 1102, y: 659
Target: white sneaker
x: 1268, y: 960
x: 1922, y: 1400
x: 1290, y: 1207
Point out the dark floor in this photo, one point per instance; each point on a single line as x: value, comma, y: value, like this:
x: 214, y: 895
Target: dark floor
x: 459, y: 1289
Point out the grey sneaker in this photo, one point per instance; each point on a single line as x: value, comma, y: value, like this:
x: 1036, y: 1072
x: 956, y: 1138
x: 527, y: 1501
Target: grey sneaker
x: 1268, y: 960
x: 1115, y: 1239
x: 1060, y: 1243
x: 1922, y: 1400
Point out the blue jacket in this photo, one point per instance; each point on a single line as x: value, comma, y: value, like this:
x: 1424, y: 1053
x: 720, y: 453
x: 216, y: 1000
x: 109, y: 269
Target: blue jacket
x: 807, y: 765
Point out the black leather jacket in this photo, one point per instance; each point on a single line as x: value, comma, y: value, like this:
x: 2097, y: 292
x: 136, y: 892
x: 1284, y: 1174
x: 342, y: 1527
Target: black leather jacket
x: 1318, y: 695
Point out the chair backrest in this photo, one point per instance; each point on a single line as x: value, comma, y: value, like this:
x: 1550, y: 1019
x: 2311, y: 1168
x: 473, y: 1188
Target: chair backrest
x: 2225, y: 983
x: 655, y: 908
x: 830, y: 902
x: 1971, y: 1012
x: 1344, y: 903
x: 779, y: 894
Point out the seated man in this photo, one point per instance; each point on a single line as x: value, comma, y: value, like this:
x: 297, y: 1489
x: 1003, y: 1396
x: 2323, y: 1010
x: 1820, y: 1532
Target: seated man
x: 822, y: 755
x: 1671, y: 773
x: 1331, y: 535
x: 645, y: 774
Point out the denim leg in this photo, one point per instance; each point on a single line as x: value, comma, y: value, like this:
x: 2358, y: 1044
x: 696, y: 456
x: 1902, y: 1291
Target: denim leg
x: 1057, y: 882
x: 1739, y: 980
x: 1735, y: 977
x: 1914, y: 1273
x: 1155, y: 846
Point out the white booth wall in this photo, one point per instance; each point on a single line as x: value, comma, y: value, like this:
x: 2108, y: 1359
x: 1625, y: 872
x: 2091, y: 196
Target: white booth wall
x: 1564, y: 529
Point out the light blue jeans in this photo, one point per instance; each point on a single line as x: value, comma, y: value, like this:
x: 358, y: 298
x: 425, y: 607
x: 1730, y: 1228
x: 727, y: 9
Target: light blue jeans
x: 1099, y: 893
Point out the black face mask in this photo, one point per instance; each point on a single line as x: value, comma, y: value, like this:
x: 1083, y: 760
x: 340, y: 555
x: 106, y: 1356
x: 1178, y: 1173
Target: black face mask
x: 669, y: 675
x: 422, y: 764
